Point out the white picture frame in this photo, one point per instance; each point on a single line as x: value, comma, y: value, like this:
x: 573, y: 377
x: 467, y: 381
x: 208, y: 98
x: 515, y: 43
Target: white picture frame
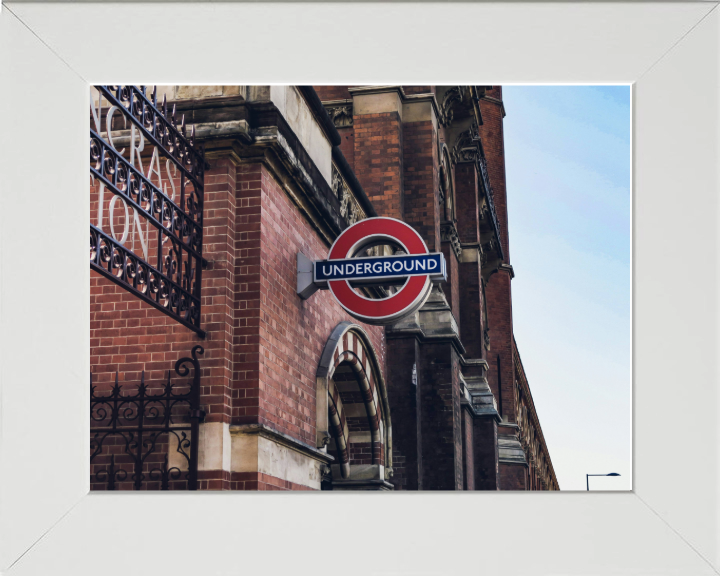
x: 50, y: 53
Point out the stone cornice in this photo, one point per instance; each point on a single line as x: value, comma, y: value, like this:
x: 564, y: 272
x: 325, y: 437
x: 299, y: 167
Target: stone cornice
x: 428, y: 97
x: 479, y: 362
x: 507, y: 268
x: 405, y: 99
x: 510, y: 451
x: 434, y: 322
x: 494, y: 101
x: 437, y: 321
x: 280, y: 438
x: 355, y: 485
x: 361, y: 90
x: 260, y: 133
x: 482, y: 399
x: 203, y: 131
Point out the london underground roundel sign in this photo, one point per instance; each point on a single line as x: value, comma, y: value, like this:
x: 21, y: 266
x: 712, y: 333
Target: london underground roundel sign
x: 417, y: 268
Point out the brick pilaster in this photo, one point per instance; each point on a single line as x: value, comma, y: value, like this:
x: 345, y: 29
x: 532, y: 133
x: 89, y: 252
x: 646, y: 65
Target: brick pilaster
x: 378, y: 162
x: 487, y: 468
x: 403, y: 396
x: 421, y: 181
x: 440, y: 412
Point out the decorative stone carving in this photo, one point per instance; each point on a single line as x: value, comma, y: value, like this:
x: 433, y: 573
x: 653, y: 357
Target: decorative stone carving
x: 486, y: 338
x: 489, y: 246
x: 449, y: 233
x: 337, y: 183
x: 467, y: 146
x: 452, y: 95
x: 484, y: 210
x: 446, y: 191
x: 349, y: 207
x: 345, y: 199
x: 354, y: 213
x: 341, y: 113
x: 445, y: 175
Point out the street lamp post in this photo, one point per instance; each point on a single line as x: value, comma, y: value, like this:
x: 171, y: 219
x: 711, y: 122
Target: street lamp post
x: 587, y: 478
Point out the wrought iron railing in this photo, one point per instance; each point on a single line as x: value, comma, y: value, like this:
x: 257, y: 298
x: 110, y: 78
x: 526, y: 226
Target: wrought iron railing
x: 133, y: 435
x: 172, y: 282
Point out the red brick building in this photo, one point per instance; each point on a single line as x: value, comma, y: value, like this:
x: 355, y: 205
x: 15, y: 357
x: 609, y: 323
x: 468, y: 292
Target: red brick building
x: 295, y: 393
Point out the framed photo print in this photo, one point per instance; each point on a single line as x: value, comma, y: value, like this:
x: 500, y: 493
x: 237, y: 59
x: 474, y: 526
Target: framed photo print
x: 301, y: 224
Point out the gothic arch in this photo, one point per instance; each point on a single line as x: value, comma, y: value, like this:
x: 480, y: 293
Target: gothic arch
x: 353, y: 416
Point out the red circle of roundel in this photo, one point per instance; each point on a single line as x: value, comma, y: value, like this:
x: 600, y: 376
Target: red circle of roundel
x: 365, y: 231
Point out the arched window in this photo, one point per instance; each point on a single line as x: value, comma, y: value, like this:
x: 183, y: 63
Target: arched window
x: 353, y: 419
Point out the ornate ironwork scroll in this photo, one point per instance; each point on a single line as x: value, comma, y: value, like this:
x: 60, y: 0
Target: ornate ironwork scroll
x: 148, y: 439
x: 173, y: 282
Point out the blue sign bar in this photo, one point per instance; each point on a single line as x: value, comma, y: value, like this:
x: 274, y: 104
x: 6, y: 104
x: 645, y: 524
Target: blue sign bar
x: 381, y: 268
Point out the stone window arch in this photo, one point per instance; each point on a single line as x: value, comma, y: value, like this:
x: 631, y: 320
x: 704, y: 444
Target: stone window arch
x: 353, y: 418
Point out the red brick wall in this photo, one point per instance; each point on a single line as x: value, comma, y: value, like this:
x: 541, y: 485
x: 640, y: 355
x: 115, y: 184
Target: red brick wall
x: 471, y: 328
x: 513, y: 477
x: 471, y: 304
x: 223, y: 480
x: 440, y: 416
x: 420, y: 180
x: 418, y: 89
x: 466, y: 196
x: 500, y: 321
x: 287, y: 343
x: 403, y: 400
x: 498, y: 292
x: 130, y: 336
x: 493, y: 141
x: 378, y: 161
x: 263, y: 342
x: 333, y: 92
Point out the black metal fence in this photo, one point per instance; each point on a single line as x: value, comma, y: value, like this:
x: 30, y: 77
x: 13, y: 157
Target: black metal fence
x: 147, y: 440
x: 168, y: 273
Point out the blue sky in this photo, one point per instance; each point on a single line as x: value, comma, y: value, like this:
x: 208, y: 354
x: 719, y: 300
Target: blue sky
x: 567, y: 151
